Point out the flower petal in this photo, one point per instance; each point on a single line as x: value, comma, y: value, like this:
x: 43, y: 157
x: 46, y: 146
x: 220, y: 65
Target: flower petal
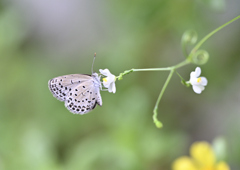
x: 201, y: 87
x: 110, y: 88
x: 113, y: 87
x: 204, y: 81
x: 109, y: 80
x: 197, y: 71
x: 203, y: 154
x: 192, y: 75
x: 183, y: 163
x: 194, y: 81
x: 111, y: 77
x: 105, y: 72
x: 106, y: 83
x: 222, y: 166
x: 197, y: 89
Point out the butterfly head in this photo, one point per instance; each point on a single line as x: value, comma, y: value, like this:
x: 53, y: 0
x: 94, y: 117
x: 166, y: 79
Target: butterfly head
x: 97, y: 82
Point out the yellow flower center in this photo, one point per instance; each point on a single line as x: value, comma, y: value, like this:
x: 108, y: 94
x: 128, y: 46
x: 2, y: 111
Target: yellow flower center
x: 199, y: 79
x: 104, y: 79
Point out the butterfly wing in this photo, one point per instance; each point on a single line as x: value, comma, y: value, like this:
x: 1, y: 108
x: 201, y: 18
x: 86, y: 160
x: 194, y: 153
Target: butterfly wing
x: 80, y: 92
x: 83, y: 98
x: 60, y: 86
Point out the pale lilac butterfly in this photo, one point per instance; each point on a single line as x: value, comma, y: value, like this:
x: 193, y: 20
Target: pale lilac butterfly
x: 80, y: 92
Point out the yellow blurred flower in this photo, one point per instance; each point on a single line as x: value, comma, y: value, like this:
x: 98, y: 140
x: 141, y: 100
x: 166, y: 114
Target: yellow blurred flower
x: 202, y: 158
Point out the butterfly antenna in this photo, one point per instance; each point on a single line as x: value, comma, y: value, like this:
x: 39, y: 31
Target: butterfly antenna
x: 93, y: 61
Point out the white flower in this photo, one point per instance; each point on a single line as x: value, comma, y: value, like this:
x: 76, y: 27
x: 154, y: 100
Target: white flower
x: 197, y: 82
x: 109, y: 80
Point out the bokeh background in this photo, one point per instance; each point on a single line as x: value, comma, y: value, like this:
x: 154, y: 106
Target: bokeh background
x: 42, y: 39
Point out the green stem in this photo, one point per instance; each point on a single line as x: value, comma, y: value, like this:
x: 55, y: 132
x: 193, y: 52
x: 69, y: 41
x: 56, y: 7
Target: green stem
x: 155, y: 110
x: 152, y: 69
x: 185, y: 62
x: 180, y: 76
x: 198, y: 45
x: 189, y: 57
x: 172, y: 69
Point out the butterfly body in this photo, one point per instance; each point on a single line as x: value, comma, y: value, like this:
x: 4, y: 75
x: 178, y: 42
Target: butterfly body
x: 80, y: 92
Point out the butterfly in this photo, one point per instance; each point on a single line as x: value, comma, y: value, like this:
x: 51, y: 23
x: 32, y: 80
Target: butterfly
x: 79, y: 92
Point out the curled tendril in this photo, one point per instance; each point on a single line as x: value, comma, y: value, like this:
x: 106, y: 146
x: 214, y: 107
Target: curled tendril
x: 189, y: 38
x: 200, y: 57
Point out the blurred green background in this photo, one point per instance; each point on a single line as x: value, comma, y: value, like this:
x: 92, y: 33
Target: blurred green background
x: 40, y: 40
